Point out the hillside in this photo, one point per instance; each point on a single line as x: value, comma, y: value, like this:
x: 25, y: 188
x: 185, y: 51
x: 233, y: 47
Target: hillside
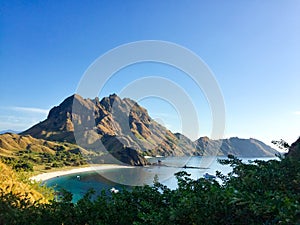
x: 235, y: 146
x: 10, y: 182
x: 24, y: 152
x: 10, y: 143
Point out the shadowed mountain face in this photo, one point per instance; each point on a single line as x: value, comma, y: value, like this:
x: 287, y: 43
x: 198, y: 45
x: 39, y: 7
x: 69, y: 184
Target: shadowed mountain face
x: 124, y: 129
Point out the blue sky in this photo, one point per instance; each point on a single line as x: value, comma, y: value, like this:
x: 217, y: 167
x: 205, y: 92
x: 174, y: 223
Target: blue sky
x: 252, y: 47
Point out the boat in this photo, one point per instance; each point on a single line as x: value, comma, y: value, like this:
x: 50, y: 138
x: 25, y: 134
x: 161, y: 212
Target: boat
x: 114, y: 190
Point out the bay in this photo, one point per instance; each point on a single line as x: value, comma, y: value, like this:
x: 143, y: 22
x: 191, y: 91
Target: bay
x: 119, y: 178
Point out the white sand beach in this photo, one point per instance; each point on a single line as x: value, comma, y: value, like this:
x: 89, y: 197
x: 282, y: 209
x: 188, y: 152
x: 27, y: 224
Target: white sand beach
x: 49, y: 175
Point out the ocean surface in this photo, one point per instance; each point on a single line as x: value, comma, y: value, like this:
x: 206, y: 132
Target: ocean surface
x: 119, y: 178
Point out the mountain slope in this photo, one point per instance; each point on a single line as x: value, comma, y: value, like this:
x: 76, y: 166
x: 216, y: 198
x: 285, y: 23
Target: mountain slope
x: 11, y: 143
x: 10, y: 183
x: 235, y: 146
x: 25, y: 153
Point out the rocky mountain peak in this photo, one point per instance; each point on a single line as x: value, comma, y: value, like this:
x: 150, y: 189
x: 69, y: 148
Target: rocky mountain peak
x: 108, y: 102
x: 204, y: 139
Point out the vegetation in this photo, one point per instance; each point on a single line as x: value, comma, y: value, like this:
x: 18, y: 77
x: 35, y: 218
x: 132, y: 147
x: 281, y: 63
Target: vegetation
x: 26, y: 160
x: 282, y: 144
x: 262, y: 192
x: 24, y: 153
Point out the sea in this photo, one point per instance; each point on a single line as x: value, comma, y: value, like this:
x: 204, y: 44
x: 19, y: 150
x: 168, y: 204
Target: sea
x: 125, y: 178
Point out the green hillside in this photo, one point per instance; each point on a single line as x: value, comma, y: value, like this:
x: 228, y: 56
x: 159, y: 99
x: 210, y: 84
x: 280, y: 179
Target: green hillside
x: 26, y: 153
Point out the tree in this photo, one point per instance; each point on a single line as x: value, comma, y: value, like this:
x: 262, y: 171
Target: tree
x: 281, y: 144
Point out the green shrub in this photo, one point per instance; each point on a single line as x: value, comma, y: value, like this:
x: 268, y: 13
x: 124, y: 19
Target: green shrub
x: 23, y: 166
x: 262, y: 192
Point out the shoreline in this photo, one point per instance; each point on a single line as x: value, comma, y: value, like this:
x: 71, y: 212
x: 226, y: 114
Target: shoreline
x: 43, y: 176
x: 93, y: 167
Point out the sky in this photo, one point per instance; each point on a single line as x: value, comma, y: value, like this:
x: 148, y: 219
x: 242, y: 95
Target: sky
x: 251, y: 47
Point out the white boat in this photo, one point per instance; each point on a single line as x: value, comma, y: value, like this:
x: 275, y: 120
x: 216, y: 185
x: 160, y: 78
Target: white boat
x: 114, y: 190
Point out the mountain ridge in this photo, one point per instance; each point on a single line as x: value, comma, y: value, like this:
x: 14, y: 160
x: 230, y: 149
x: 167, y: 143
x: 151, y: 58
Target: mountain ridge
x: 112, y: 125
x: 236, y: 146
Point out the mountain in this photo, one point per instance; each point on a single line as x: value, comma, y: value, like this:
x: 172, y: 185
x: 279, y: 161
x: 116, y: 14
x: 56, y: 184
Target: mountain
x: 124, y: 129
x: 235, y: 146
x: 112, y: 124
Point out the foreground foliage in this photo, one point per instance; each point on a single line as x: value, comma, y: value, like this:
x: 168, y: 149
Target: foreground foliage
x: 262, y: 192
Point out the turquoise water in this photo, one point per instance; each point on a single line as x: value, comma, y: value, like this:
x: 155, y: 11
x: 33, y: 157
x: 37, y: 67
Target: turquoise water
x: 79, y: 184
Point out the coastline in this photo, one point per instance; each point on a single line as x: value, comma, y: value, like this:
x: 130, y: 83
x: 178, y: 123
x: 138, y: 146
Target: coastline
x: 92, y: 167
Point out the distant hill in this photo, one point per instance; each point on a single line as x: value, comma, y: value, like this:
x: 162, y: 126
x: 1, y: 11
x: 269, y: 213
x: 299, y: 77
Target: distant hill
x: 235, y: 146
x: 9, y: 131
x: 124, y: 128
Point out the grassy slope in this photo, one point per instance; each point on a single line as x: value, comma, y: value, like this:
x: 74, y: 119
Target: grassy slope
x: 17, y: 184
x: 41, y: 155
x: 11, y: 143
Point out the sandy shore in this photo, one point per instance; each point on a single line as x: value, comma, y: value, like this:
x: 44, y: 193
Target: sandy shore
x: 49, y: 175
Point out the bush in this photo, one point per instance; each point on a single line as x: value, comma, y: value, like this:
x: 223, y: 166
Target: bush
x: 23, y: 166
x: 57, y: 164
